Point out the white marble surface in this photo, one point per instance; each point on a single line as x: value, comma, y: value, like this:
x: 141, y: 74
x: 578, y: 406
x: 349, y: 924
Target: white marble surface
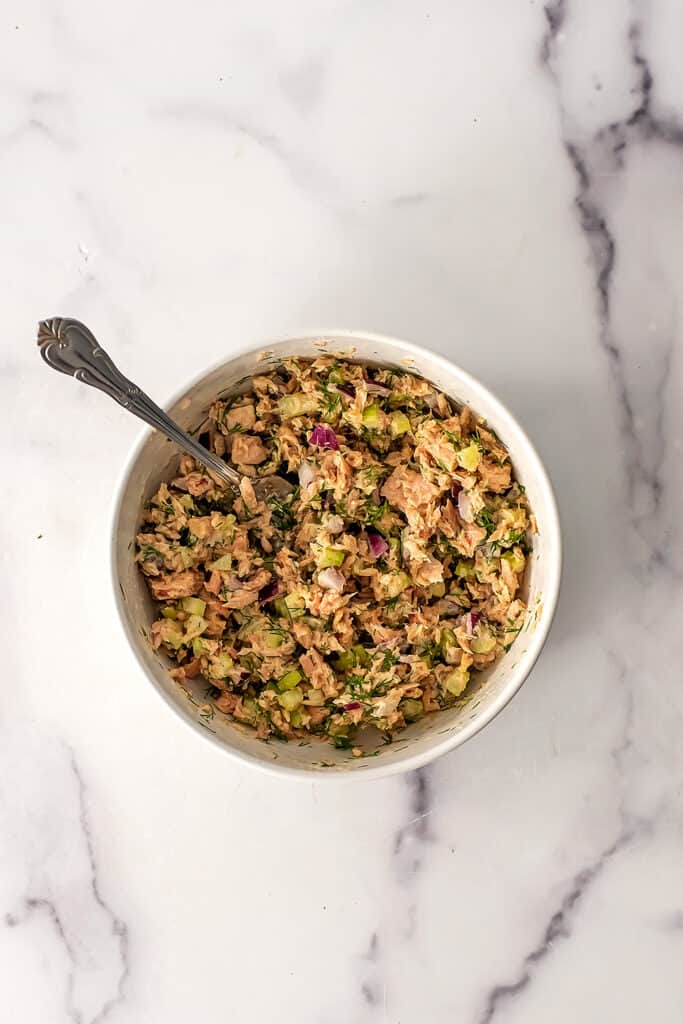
x: 499, y: 181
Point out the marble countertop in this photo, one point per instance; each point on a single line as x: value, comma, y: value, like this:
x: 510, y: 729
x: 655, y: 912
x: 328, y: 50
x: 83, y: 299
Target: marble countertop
x: 503, y: 183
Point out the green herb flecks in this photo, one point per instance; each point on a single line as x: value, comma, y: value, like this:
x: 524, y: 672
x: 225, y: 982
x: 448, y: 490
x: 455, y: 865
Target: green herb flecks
x: 486, y: 521
x: 150, y: 554
x: 283, y: 516
x: 389, y: 660
x: 374, y: 512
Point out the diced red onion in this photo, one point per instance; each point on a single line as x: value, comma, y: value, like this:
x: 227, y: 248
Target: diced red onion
x: 471, y: 620
x: 456, y: 488
x: 306, y: 474
x: 465, y: 507
x: 268, y: 592
x: 432, y: 399
x: 335, y: 524
x: 353, y: 705
x: 347, y: 389
x: 378, y: 545
x: 324, y: 437
x: 332, y: 579
x: 373, y: 388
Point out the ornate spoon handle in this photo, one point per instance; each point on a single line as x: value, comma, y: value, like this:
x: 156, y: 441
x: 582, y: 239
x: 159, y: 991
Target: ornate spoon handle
x: 68, y: 346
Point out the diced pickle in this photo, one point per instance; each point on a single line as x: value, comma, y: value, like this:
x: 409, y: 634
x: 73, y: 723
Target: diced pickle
x: 399, y: 424
x: 331, y: 557
x: 290, y: 699
x: 297, y: 405
x: 289, y: 680
x: 457, y: 680
x: 372, y: 416
x: 469, y: 457
x: 412, y: 709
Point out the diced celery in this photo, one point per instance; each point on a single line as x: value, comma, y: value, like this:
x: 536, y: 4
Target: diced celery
x: 447, y: 639
x: 295, y: 601
x: 187, y: 501
x: 338, y: 729
x: 171, y: 633
x: 290, y: 699
x: 436, y: 589
x: 289, y: 680
x: 290, y: 606
x: 272, y: 640
x: 349, y: 659
x: 220, y: 666
x: 484, y: 643
x: 193, y: 605
x: 515, y: 560
x: 362, y: 656
x: 457, y: 680
x: 186, y: 557
x: 224, y: 563
x: 316, y: 698
x: 251, y: 708
x: 331, y: 557
x: 198, y: 647
x: 465, y: 568
x: 296, y: 405
x: 412, y: 709
x: 469, y: 457
x: 296, y: 719
x: 399, y: 424
x: 170, y: 612
x: 194, y: 625
x: 395, y: 583
x: 345, y: 661
x: 372, y: 416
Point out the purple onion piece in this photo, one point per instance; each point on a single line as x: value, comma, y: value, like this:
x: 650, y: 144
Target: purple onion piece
x: 346, y: 389
x: 373, y: 388
x: 324, y: 437
x: 378, y: 545
x: 456, y: 488
x: 306, y: 474
x: 332, y: 579
x: 471, y: 620
x: 334, y: 525
x: 268, y: 592
x: 353, y: 705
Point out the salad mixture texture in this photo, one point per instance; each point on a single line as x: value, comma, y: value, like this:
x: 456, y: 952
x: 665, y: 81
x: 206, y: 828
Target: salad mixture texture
x: 367, y: 598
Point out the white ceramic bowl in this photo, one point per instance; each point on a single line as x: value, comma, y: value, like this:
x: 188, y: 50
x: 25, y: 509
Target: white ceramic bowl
x: 152, y: 461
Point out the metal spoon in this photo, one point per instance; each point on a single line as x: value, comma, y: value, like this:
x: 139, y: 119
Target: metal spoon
x: 68, y: 346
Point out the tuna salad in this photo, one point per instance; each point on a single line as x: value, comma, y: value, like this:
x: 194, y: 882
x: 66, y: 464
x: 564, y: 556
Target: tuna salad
x: 369, y: 597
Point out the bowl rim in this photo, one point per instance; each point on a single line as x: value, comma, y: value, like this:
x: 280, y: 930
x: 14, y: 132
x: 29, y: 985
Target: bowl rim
x: 550, y: 592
